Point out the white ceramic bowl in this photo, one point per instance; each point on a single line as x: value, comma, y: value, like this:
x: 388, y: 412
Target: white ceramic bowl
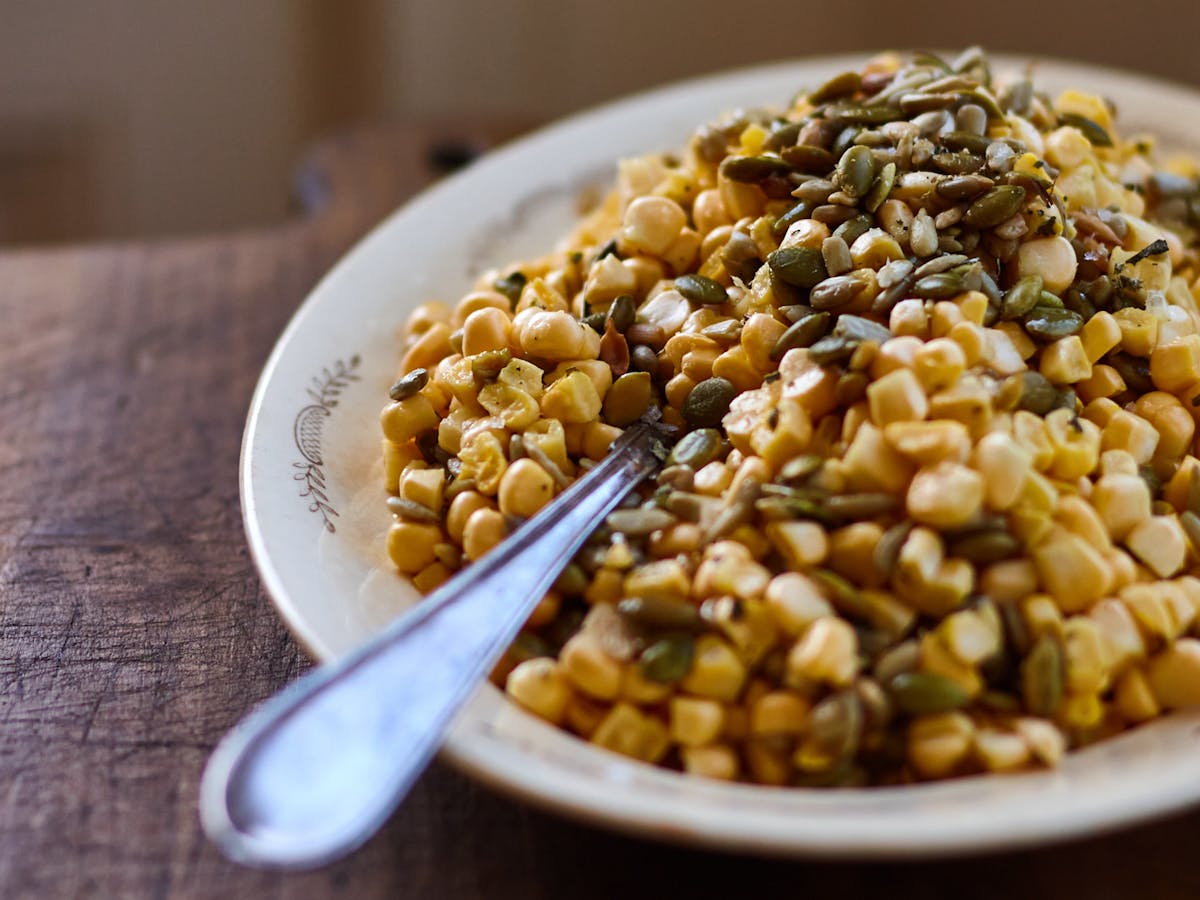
x: 315, y: 517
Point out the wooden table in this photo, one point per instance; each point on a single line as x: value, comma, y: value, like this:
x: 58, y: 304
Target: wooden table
x: 134, y: 631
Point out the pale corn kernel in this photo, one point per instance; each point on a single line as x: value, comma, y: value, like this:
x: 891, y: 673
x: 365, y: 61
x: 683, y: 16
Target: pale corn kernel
x: 476, y: 301
x: 1174, y: 674
x: 826, y: 653
x: 607, y: 280
x: 908, y: 317
x: 681, y: 255
x: 927, y: 443
x: 712, y: 479
x: 812, y: 387
x: 795, y: 602
x: 806, y: 233
x: 1176, y: 365
x: 628, y: 731
x: 945, y: 496
x: 1122, y: 501
x: 539, y: 294
x: 1043, y: 738
x: 973, y: 341
x: 1004, y: 465
x: 938, y: 744
x: 1085, y: 652
x: 410, y: 545
x: 637, y: 688
x: 716, y: 671
x: 589, y: 668
x: 431, y: 347
x: 554, y: 335
x: 572, y: 399
x: 1100, y: 411
x: 898, y: 353
x: 717, y: 761
x: 539, y: 686
x: 1053, y: 258
x: 870, y: 464
x: 1000, y: 751
x: 525, y: 488
x: 1105, y: 381
x: 485, y: 528
x: 1065, y: 361
x: 485, y: 329
x: 969, y: 636
x: 1148, y: 607
x: 1001, y: 354
x: 1176, y: 490
x: 897, y: 397
x: 647, y: 272
x: 1159, y: 543
x: 1072, y: 570
x: 708, y: 211
x: 768, y: 763
x: 851, y: 553
x: 395, y: 458
x: 790, y: 436
x: 939, y: 363
x: 759, y: 335
x: 801, y: 544
x: 1175, y: 426
x: 522, y: 374
x: 1134, y: 699
x: 584, y: 715
x: 943, y: 317
x: 1179, y: 603
x: 1139, y: 330
x: 424, y: 486
x: 598, y: 372
x: 694, y: 721
x: 484, y: 460
x: 779, y: 713
x: 1117, y: 462
x: 1126, y: 431
x: 1076, y: 444
x: 1080, y: 517
x: 874, y: 248
x: 1009, y: 581
x: 664, y: 579
x: 968, y: 401
x: 1021, y: 341
x: 515, y: 408
x: 598, y: 438
x: 937, y: 659
x: 1042, y: 617
x: 1122, y: 639
x: 403, y: 420
x: 652, y: 224
x: 1100, y: 334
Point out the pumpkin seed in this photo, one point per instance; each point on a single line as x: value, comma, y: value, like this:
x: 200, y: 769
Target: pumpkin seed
x: 696, y: 448
x: 836, y: 724
x: 887, y: 550
x: 700, y: 289
x: 412, y: 510
x: 1191, y: 525
x: 595, y: 321
x: 687, y: 506
x: 1030, y: 391
x: 1042, y: 675
x: 800, y: 467
x: 783, y: 135
x: 856, y: 114
x: 660, y: 614
x: 487, y: 365
x: 834, y: 292
x: 965, y: 141
x: 708, y: 402
x: 639, y: 522
x: 539, y: 456
x: 1091, y: 130
x: 832, y: 349
x: 512, y: 284
x: 752, y: 169
x: 850, y: 388
x: 1022, y: 297
x: 996, y: 206
x: 833, y: 214
x: 810, y: 160
x: 841, y: 593
x: 1050, y: 323
x: 838, y: 86
x: 801, y: 267
x: 941, y: 286
x: 1134, y: 371
x: 675, y: 478
x: 856, y: 171
x: 623, y: 311
x: 881, y: 188
x: 783, y: 509
x: 669, y: 659
x: 628, y: 399
x: 738, y: 512
x: 861, y: 329
x: 925, y: 693
x: 854, y: 228
x: 803, y: 333
x: 957, y: 163
x: 964, y: 187
x: 860, y: 507
x: 985, y: 547
x: 940, y: 264
x: 971, y: 118
x: 410, y: 384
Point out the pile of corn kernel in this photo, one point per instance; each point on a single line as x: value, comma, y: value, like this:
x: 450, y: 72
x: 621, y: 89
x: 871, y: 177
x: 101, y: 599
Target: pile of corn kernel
x: 930, y: 344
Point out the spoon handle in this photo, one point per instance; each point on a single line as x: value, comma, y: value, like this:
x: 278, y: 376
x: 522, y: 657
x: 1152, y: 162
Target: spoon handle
x: 314, y: 771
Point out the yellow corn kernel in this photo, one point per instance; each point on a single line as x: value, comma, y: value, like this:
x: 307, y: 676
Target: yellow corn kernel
x: 969, y: 636
x: 1134, y: 699
x: 974, y: 306
x: 1160, y: 544
x: 716, y: 671
x: 870, y: 464
x: 598, y: 438
x: 1071, y: 570
x: 1180, y: 604
x: 968, y: 401
x: 795, y: 602
x: 939, y: 363
x: 1100, y: 411
x: 1148, y: 607
x: 1122, y: 501
x: 1029, y: 431
x: 405, y: 419
x: 717, y: 761
x: 483, y: 459
x: 425, y: 316
x: 628, y: 731
x: 1105, y: 381
x: 1004, y: 465
x: 523, y: 375
x: 943, y: 317
x: 651, y: 225
x: 759, y: 335
x: 779, y: 713
x: 1080, y: 517
x: 605, y: 587
x: 851, y: 552
x: 1020, y: 341
x: 789, y: 436
x: 945, y: 496
x: 637, y: 688
x: 1076, y: 444
x: 486, y: 329
x: 557, y: 336
x: 1044, y: 740
x: 1126, y: 431
x: 1065, y: 361
x: 597, y: 371
x: 1000, y: 751
x: 432, y: 346
x: 694, y: 721
x: 801, y: 544
x: 1139, y: 330
x: 926, y: 443
x: 1008, y: 581
x: 1176, y: 365
x: 938, y: 744
x: 812, y: 386
x: 1081, y: 711
x: 1175, y: 426
x: 476, y: 301
x: 395, y: 458
x: 973, y: 341
x: 1085, y: 652
x: 1122, y: 639
x: 539, y: 686
x: 1042, y: 616
x: 432, y: 577
x: 728, y: 569
x: 525, y: 488
x: 424, y: 486
x: 897, y: 397
x: 515, y: 408
x: 767, y: 761
x: 827, y: 652
x: 1117, y: 462
x: 1174, y: 674
x: 410, y: 545
x: 484, y: 529
x: 1177, y: 489
x: 589, y: 668
x: 938, y: 659
x: 1100, y: 334
x: 572, y: 399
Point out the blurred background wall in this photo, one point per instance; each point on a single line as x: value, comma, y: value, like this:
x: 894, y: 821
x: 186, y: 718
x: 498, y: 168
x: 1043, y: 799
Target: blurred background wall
x: 138, y: 117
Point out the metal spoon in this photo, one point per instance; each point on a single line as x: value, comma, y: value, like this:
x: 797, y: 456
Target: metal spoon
x: 313, y: 772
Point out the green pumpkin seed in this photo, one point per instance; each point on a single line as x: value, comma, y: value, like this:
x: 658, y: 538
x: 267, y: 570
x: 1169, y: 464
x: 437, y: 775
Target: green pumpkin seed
x: 696, y: 448
x: 850, y: 388
x: 800, y: 467
x: 841, y: 593
x: 700, y: 289
x: 985, y: 547
x: 708, y: 402
x: 1049, y: 323
x: 803, y: 333
x: 855, y: 114
x: 834, y: 292
x: 1042, y: 676
x: 856, y: 171
x: 511, y: 285
x: 1134, y: 371
x: 957, y: 163
x: 838, y: 86
x: 1191, y: 525
x: 925, y: 693
x: 801, y: 267
x: 832, y: 349
x: 887, y: 551
x: 1034, y: 392
x: 833, y: 214
x: 786, y: 509
x: 487, y: 365
x: 412, y: 510
x: 623, y: 312
x: 668, y: 660
x: 752, y: 169
x: 595, y: 321
x: 836, y: 724
x: 660, y: 614
x: 801, y: 210
x: 860, y: 507
x: 810, y: 160
x: 941, y: 286
x: 965, y: 141
x: 861, y: 329
x: 964, y: 187
x: 881, y: 188
x: 1022, y: 297
x: 852, y: 229
x: 1091, y: 130
x: 410, y: 384
x: 817, y: 190
x: 997, y: 205
x: 628, y: 399
x: 783, y: 135
x: 985, y: 102
x: 639, y: 522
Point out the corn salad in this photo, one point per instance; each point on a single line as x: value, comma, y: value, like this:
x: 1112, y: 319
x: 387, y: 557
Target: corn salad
x: 929, y: 342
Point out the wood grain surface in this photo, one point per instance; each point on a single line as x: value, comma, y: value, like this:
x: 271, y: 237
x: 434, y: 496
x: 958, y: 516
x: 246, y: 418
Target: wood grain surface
x: 134, y: 630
